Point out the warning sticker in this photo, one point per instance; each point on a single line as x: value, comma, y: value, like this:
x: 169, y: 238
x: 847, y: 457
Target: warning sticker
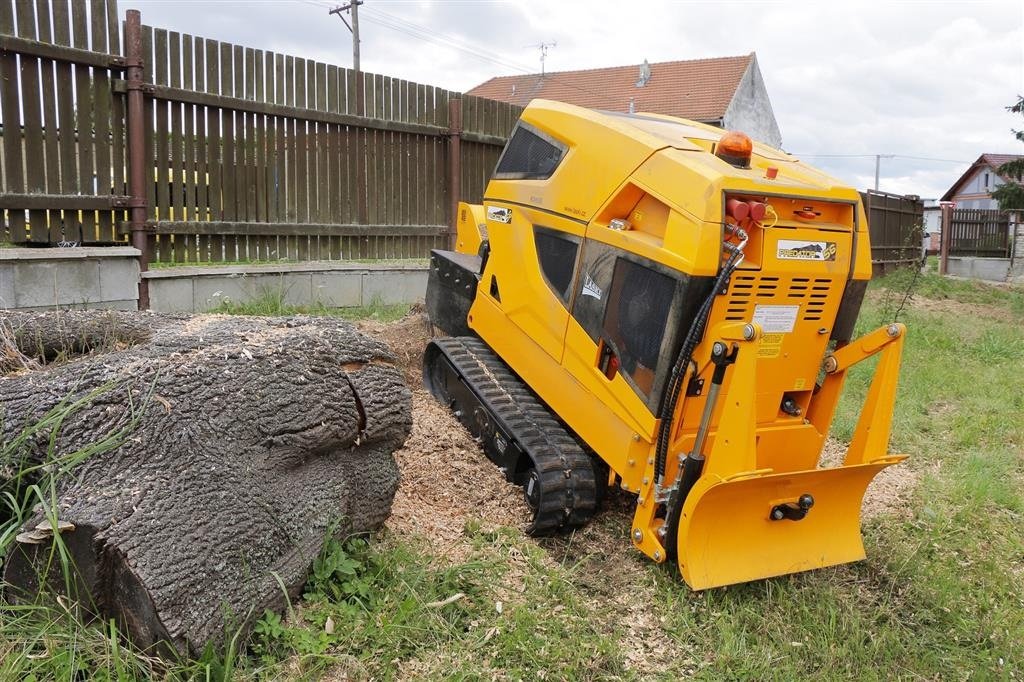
x: 791, y: 249
x: 771, y: 346
x: 776, y: 318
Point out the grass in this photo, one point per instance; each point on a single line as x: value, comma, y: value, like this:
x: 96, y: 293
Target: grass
x: 940, y: 596
x: 272, y: 303
x: 286, y: 261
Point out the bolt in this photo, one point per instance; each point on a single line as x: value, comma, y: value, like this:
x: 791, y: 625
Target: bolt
x: 748, y: 332
x: 646, y: 480
x: 638, y: 535
x: 650, y: 460
x: 718, y: 349
x: 831, y: 364
x: 893, y: 330
x: 632, y: 462
x: 657, y: 555
x: 636, y: 437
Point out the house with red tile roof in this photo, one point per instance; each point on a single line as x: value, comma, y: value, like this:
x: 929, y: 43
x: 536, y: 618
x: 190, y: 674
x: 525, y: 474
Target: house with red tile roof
x: 974, y: 188
x: 728, y: 92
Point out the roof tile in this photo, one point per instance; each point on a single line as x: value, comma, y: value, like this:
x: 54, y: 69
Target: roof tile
x: 697, y: 89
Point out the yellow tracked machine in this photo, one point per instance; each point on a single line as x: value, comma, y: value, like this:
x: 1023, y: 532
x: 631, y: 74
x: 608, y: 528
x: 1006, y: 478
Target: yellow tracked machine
x: 653, y: 303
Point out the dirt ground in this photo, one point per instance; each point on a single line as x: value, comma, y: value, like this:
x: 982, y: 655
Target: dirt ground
x: 447, y: 482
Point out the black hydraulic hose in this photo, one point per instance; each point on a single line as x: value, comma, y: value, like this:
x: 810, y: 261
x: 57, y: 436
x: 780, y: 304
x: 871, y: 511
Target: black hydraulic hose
x: 679, y: 369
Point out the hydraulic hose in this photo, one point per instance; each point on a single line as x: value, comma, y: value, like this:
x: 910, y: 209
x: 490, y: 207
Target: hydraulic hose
x: 682, y: 363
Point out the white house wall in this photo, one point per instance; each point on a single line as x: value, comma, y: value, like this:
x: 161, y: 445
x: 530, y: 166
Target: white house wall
x: 975, y: 192
x: 751, y: 110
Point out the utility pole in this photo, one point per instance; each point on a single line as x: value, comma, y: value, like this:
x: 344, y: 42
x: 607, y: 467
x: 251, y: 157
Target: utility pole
x: 360, y: 150
x: 878, y: 166
x: 353, y: 7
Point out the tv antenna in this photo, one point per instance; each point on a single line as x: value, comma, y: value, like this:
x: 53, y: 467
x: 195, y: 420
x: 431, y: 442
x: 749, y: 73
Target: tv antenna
x: 543, y: 47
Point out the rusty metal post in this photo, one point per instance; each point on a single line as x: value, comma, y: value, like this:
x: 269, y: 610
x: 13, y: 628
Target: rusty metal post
x: 454, y: 167
x: 136, y: 155
x: 945, y: 236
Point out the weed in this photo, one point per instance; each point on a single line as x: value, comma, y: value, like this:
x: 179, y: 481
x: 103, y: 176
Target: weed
x: 273, y: 303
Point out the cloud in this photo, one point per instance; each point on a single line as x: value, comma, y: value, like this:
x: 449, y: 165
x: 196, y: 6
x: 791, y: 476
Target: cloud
x: 911, y: 78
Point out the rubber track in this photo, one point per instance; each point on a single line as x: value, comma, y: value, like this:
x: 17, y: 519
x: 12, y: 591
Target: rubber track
x: 566, y: 473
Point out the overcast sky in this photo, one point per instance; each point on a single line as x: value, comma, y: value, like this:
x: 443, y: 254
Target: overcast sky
x: 912, y: 78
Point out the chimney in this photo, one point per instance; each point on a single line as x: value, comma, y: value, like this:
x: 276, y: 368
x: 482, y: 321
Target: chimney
x: 645, y: 74
x: 632, y: 105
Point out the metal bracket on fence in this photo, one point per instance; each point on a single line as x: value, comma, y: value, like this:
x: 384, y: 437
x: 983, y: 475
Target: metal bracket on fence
x: 128, y: 202
x: 126, y: 227
x: 121, y: 86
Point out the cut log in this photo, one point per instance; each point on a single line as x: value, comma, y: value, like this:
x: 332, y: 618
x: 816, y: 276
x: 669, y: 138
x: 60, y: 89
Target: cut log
x: 198, y: 463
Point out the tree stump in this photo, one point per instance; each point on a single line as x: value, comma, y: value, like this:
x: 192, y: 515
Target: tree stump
x: 198, y: 463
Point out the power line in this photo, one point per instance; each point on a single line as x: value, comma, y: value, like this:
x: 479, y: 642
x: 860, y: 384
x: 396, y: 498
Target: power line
x: 871, y: 156
x: 430, y: 35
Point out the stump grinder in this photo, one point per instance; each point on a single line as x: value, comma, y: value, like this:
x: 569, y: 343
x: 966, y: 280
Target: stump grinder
x: 661, y: 305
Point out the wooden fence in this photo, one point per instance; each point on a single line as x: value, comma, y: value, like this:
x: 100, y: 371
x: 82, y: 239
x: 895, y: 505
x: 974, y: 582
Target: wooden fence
x: 247, y: 154
x: 896, y: 226
x: 979, y: 232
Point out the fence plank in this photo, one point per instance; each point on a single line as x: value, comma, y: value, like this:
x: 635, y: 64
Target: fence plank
x: 10, y: 108
x: 65, y: 131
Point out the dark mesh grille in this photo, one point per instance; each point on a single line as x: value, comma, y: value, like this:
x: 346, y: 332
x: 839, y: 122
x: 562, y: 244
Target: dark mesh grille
x: 528, y: 156
x: 557, y: 260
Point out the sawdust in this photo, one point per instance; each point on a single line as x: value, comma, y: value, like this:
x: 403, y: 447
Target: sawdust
x: 888, y: 494
x: 446, y: 479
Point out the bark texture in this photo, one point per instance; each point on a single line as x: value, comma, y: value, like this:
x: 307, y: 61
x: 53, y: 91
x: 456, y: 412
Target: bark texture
x: 229, y: 446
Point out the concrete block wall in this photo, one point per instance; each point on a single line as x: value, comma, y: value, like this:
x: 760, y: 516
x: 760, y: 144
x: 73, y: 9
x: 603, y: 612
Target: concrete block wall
x: 201, y: 289
x: 1017, y: 268
x: 81, y: 277
x: 989, y: 269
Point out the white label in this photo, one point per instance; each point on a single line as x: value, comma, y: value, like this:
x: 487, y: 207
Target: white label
x: 590, y: 287
x: 776, y: 319
x: 499, y: 214
x: 792, y: 249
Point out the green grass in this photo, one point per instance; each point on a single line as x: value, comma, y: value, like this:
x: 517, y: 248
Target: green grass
x: 940, y: 596
x: 286, y: 261
x: 272, y: 304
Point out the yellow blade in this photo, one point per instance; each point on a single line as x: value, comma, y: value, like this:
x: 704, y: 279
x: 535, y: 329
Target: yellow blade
x: 727, y: 537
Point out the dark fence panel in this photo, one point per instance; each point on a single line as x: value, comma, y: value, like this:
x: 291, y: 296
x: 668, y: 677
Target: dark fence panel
x: 255, y: 155
x: 896, y: 226
x: 979, y: 232
x: 63, y: 178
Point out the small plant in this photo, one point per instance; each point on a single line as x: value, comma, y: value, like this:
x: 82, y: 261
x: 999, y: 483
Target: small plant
x: 272, y: 303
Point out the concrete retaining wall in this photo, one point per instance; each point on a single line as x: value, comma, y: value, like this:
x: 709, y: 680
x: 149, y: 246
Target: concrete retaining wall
x: 81, y: 277
x: 990, y: 269
x: 200, y: 289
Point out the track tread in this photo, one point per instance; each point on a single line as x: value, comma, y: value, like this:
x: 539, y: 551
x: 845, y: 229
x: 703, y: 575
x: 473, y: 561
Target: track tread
x: 565, y: 470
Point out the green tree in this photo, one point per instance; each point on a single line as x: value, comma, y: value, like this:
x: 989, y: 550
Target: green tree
x: 1010, y: 195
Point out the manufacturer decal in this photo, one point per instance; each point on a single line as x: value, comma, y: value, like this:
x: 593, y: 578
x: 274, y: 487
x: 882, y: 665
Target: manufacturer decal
x: 590, y: 287
x: 499, y: 215
x: 792, y: 249
x: 500, y: 443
